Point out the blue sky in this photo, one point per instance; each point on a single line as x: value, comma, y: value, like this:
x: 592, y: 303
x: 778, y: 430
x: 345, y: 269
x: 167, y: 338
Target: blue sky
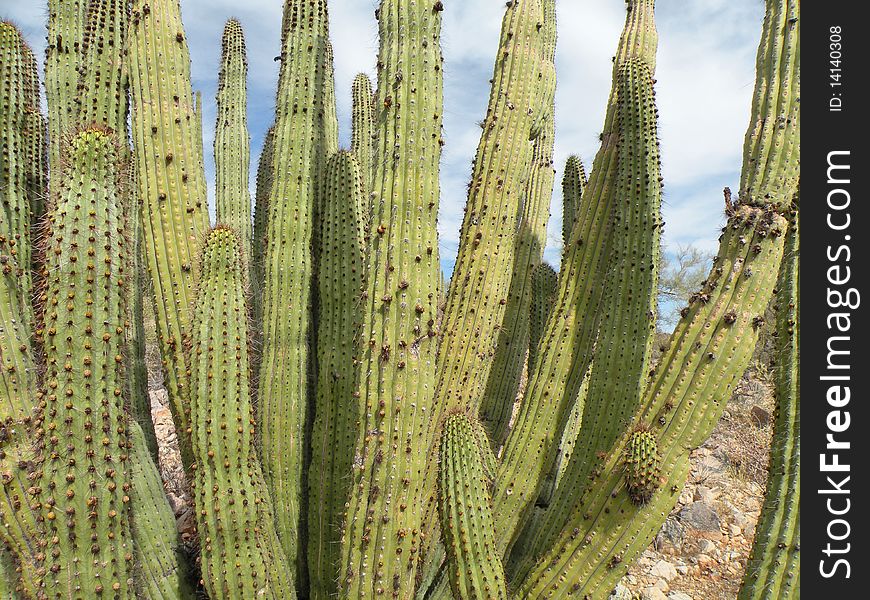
x: 705, y: 79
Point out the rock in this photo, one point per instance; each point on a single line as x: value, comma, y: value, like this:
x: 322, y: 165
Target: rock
x: 653, y: 593
x: 664, y: 570
x: 760, y: 416
x: 735, y: 530
x: 682, y: 569
x: 700, y: 516
x: 671, y: 536
x: 621, y: 593
x: 679, y: 596
x: 706, y: 547
x: 705, y: 494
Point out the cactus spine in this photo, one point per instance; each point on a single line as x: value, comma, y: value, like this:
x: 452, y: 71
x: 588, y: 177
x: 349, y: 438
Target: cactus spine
x: 231, y: 141
x: 773, y: 570
x: 566, y: 348
x: 465, y: 507
x: 381, y: 537
x: 241, y: 555
x: 170, y: 181
x: 298, y: 151
x: 87, y: 483
x: 341, y: 281
x: 362, y: 141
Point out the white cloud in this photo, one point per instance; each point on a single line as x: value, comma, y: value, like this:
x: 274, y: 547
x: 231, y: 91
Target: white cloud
x: 705, y: 79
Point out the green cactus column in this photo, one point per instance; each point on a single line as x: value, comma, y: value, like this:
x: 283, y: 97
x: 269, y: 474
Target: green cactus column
x: 168, y: 162
x: 628, y: 308
x: 708, y: 352
x: 101, y: 91
x: 231, y: 140
x: 19, y: 100
x: 520, y: 102
x: 341, y: 282
x: 161, y: 570
x: 544, y: 281
x: 240, y: 552
x: 259, y: 240
x: 300, y: 147
x: 85, y: 494
x: 501, y: 389
x: 476, y: 572
x: 66, y: 24
x: 773, y: 570
x: 565, y: 351
x: 381, y: 539
x: 362, y: 140
x: 573, y: 184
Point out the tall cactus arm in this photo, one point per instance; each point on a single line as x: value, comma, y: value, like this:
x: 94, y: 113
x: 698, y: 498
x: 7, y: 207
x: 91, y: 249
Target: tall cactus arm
x: 565, y: 350
x: 19, y: 102
x: 361, y: 141
x: 160, y: 568
x: 501, y: 388
x: 66, y: 26
x: 168, y: 162
x: 773, y: 570
x: 231, y: 140
x: 708, y: 352
x: 299, y: 150
x: 259, y: 241
x: 22, y: 546
x: 381, y: 538
x: 520, y: 98
x: 241, y: 555
x: 573, y: 183
x: 341, y: 281
x: 85, y: 492
x: 101, y: 92
x: 476, y: 572
x: 544, y: 284
x: 627, y: 320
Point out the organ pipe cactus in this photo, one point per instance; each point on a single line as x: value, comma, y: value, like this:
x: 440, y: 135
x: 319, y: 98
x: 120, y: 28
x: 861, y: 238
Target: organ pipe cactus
x: 231, y: 142
x: 240, y: 553
x: 475, y: 568
x: 349, y: 434
x: 300, y: 145
x: 773, y: 570
x: 86, y: 479
x: 382, y: 531
x: 170, y: 181
x: 341, y: 281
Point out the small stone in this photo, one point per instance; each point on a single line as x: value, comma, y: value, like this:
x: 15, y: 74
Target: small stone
x: 735, y: 530
x: 700, y: 516
x: 706, y: 547
x: 664, y: 570
x: 653, y: 593
x: 760, y: 416
x: 621, y: 593
x: 671, y: 536
x: 682, y: 570
x: 679, y: 596
x: 705, y: 494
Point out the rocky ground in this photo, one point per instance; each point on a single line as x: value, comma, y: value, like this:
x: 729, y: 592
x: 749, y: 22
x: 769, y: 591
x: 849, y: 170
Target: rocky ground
x: 702, y: 549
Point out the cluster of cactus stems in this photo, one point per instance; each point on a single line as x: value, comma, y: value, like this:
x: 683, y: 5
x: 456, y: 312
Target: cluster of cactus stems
x: 346, y: 429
